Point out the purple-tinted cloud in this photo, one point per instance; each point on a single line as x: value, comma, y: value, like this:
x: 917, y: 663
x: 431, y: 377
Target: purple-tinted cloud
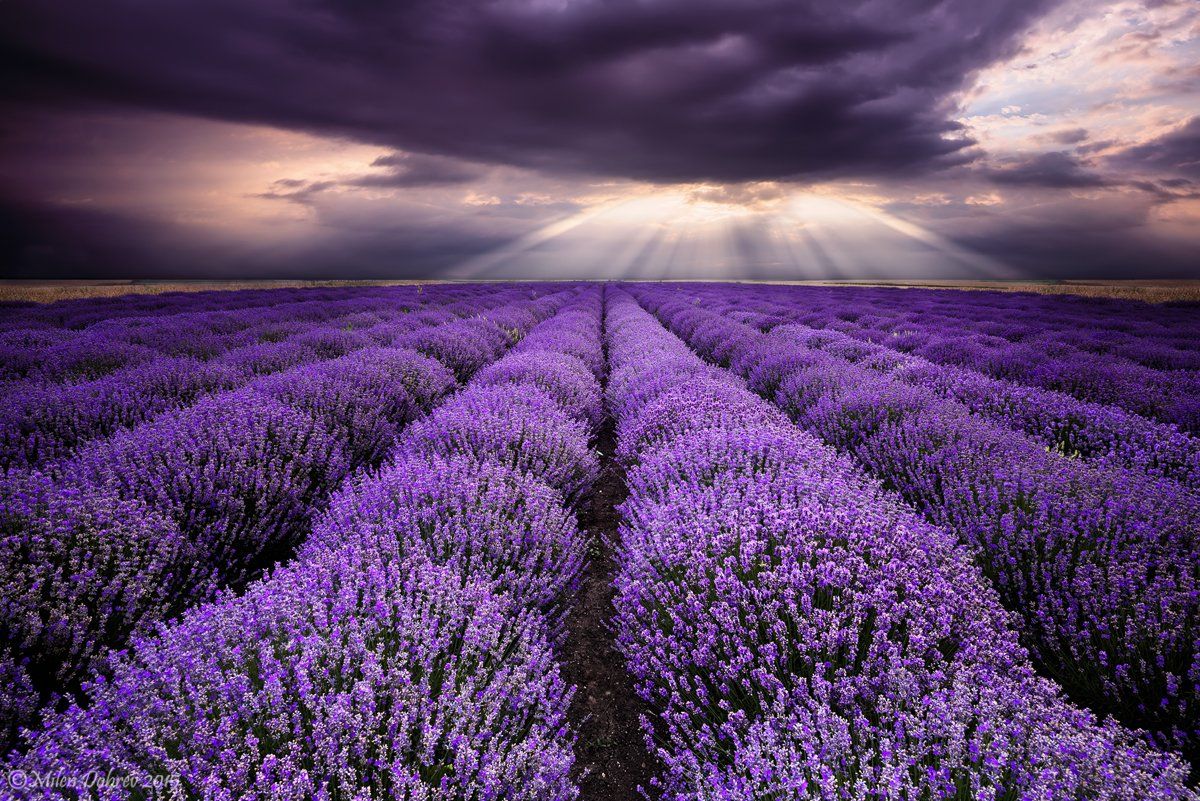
x: 408, y: 170
x: 1069, y: 136
x: 1057, y: 170
x: 296, y: 190
x: 396, y: 171
x: 51, y: 241
x: 1044, y: 232
x: 668, y: 90
x: 1175, y: 154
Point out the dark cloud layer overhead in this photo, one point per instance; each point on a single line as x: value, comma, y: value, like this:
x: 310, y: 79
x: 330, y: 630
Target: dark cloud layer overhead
x: 678, y: 138
x: 671, y: 90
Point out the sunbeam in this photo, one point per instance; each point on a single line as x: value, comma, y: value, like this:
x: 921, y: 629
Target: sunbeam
x: 696, y: 232
x: 989, y: 267
x: 480, y: 266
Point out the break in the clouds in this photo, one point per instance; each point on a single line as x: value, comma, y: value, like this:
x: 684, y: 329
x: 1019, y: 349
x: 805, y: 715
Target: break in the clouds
x: 766, y: 138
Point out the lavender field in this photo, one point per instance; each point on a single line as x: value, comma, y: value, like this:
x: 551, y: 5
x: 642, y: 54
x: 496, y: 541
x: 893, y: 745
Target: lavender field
x: 600, y: 541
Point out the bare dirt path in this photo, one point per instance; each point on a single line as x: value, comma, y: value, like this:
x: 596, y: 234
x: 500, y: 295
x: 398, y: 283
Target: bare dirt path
x: 612, y: 761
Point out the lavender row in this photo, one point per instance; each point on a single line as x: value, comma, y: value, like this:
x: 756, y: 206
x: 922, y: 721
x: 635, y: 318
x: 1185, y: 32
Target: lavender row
x: 57, y: 356
x: 1150, y: 335
x: 408, y: 652
x: 46, y: 422
x: 74, y: 315
x: 1101, y: 564
x: 1075, y: 428
x: 800, y: 633
x: 1173, y: 397
x: 1015, y: 352
x: 1155, y: 336
x: 530, y: 414
x: 356, y: 672
x: 82, y: 312
x: 64, y: 355
x: 205, y: 497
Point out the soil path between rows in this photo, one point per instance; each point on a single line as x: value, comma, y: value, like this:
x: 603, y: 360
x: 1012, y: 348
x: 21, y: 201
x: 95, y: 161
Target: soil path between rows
x: 612, y: 761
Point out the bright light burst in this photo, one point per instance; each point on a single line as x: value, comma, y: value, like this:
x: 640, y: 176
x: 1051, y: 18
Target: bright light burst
x: 704, y: 232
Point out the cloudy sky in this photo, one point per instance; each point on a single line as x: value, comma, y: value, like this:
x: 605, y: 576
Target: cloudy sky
x: 788, y: 139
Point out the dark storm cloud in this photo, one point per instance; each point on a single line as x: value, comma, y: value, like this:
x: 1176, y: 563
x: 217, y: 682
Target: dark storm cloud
x: 1175, y: 154
x: 53, y: 241
x: 409, y: 170
x: 1056, y: 170
x: 77, y: 241
x: 669, y: 90
x: 1070, y: 238
x: 398, y: 171
x: 1081, y: 249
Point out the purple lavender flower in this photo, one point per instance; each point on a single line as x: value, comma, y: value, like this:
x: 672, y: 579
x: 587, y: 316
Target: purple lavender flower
x: 528, y: 431
x: 799, y: 632
x: 82, y: 570
x: 1100, y: 561
x: 357, y: 670
x: 364, y: 399
x: 562, y: 376
x: 240, y: 473
x: 485, y: 519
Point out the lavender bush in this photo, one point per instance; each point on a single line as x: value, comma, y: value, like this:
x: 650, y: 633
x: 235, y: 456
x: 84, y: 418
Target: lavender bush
x: 800, y: 633
x: 208, y: 496
x: 366, y: 398
x: 82, y: 570
x: 356, y: 674
x: 412, y: 458
x: 406, y: 653
x: 528, y: 431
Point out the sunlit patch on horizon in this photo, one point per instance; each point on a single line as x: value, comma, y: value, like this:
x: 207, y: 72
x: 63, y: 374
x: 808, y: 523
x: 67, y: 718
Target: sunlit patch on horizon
x: 705, y: 232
